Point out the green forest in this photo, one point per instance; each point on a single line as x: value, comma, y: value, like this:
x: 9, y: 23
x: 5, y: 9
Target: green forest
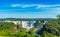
x: 51, y: 29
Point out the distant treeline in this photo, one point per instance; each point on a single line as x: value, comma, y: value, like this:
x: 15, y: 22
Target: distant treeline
x: 26, y: 19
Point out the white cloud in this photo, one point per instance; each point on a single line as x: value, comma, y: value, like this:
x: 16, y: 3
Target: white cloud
x: 56, y: 10
x: 15, y: 5
x: 47, y: 8
x: 23, y: 6
x: 32, y: 5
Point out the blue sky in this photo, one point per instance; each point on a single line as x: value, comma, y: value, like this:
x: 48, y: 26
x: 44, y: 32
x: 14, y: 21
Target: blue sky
x: 29, y: 8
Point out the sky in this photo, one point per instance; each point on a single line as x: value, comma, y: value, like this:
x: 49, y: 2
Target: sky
x: 29, y: 8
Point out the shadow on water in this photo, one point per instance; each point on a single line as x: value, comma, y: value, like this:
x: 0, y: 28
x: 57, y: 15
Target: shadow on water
x: 40, y: 31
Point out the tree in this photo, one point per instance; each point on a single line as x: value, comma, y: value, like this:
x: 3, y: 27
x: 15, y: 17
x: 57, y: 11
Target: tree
x: 21, y: 33
x: 58, y: 19
x: 37, y: 24
x: 6, y: 26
